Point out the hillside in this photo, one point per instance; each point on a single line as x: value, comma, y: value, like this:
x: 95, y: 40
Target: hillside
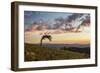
x: 40, y: 53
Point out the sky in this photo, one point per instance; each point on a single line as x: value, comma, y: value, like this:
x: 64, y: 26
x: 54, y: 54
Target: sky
x: 61, y: 26
x: 31, y: 16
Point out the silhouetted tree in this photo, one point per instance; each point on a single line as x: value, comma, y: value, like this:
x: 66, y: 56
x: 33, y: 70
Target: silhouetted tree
x: 45, y: 37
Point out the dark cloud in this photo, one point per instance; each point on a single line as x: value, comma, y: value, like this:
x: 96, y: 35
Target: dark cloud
x: 74, y: 16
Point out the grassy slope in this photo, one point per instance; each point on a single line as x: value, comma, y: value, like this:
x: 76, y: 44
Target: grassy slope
x: 40, y: 53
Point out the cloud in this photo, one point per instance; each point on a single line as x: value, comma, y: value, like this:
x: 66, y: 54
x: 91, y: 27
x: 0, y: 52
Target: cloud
x: 70, y: 23
x: 74, y: 16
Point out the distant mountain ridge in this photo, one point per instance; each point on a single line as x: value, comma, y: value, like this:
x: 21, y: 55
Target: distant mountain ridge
x: 66, y: 45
